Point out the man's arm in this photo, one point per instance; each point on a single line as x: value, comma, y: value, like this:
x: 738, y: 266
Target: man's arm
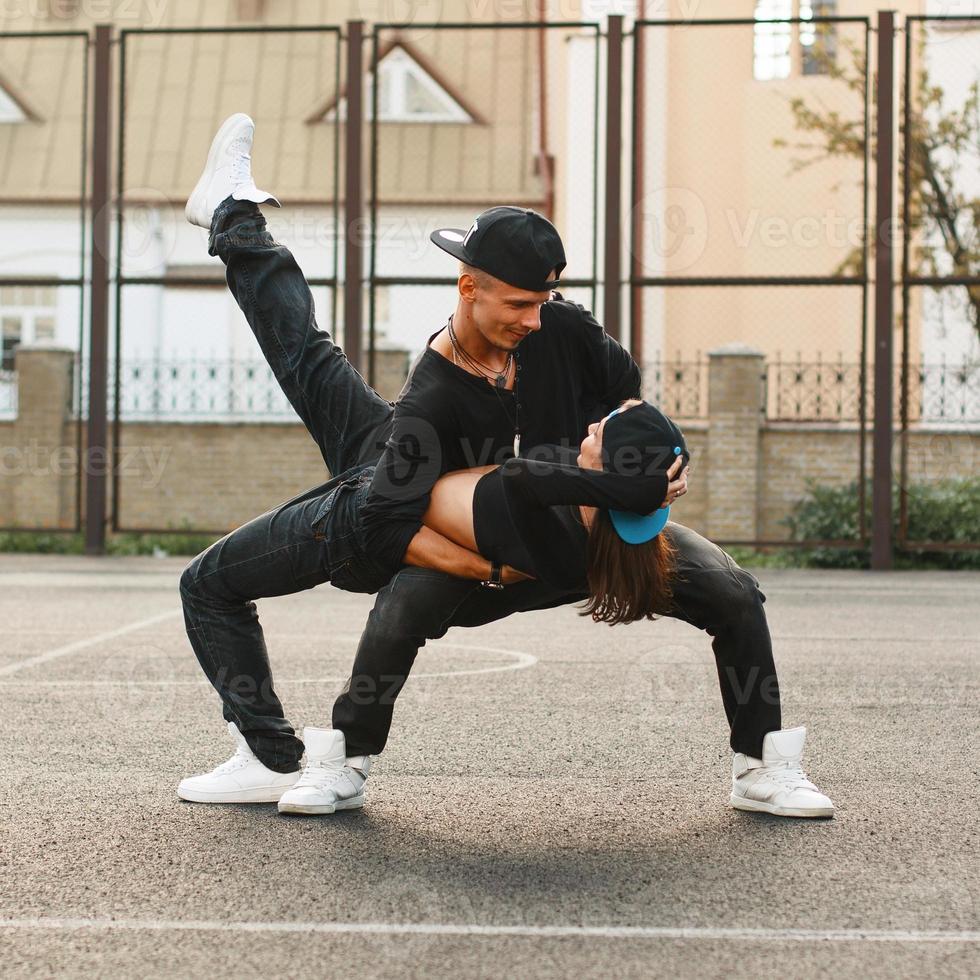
x: 610, y: 374
x: 429, y: 549
x: 403, y: 480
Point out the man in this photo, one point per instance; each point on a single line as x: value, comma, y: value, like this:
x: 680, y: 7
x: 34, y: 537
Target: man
x: 513, y: 369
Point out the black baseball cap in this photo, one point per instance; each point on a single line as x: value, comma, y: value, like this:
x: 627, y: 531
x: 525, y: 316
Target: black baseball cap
x: 640, y: 440
x: 517, y: 245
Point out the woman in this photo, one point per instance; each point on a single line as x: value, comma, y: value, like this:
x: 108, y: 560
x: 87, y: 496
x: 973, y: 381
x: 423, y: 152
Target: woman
x: 595, y: 519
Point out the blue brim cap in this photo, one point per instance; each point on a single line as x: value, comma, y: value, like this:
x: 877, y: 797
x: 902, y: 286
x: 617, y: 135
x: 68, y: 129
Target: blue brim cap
x: 638, y: 528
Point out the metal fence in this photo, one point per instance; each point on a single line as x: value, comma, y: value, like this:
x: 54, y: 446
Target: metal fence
x: 933, y: 395
x: 940, y: 277
x: 159, y: 389
x: 704, y: 271
x: 286, y: 75
x: 40, y: 160
x: 697, y: 269
x: 503, y: 70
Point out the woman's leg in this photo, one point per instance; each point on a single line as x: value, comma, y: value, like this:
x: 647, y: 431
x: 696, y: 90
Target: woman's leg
x: 348, y: 419
x: 277, y: 553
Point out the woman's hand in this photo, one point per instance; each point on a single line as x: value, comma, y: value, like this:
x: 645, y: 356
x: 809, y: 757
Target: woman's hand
x: 677, y: 482
x: 511, y: 576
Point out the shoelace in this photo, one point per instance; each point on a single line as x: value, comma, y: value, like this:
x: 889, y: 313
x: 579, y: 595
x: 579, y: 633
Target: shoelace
x: 790, y: 777
x: 241, y: 161
x: 321, y: 773
x: 239, y: 760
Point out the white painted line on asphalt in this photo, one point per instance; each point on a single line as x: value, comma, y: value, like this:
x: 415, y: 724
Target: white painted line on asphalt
x: 521, y: 662
x: 70, y: 648
x: 473, y: 929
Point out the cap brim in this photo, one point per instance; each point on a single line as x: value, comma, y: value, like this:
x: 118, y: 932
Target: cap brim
x: 451, y: 240
x: 639, y: 528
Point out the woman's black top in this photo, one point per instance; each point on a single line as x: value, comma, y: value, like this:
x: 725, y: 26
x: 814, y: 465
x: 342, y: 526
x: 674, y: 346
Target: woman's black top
x: 525, y: 513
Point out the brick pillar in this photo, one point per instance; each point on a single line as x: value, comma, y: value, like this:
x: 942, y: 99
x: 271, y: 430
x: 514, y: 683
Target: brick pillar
x: 735, y: 403
x: 43, y: 489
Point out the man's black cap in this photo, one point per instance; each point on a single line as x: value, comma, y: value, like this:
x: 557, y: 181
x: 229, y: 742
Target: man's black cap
x: 517, y: 245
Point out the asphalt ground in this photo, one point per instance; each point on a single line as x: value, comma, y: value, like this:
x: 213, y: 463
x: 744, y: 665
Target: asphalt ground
x: 552, y: 803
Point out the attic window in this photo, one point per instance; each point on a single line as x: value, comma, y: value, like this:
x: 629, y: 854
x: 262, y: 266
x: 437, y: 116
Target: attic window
x: 10, y: 110
x: 407, y: 93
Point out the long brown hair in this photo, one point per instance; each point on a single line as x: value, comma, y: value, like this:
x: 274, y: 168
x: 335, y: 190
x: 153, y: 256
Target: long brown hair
x: 627, y: 582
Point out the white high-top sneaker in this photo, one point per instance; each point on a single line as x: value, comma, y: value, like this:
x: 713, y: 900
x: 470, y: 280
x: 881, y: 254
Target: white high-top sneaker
x: 242, y: 779
x: 228, y: 172
x: 331, y: 780
x: 776, y: 783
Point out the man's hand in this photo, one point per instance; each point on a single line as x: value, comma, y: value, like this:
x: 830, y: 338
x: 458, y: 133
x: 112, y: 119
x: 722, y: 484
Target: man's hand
x: 677, y: 485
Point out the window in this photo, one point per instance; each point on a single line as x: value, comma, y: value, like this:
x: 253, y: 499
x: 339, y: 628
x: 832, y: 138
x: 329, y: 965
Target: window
x: 27, y: 316
x: 11, y: 328
x: 43, y: 328
x: 818, y: 42
x: 407, y: 93
x: 772, y: 41
x: 10, y: 111
x: 773, y: 55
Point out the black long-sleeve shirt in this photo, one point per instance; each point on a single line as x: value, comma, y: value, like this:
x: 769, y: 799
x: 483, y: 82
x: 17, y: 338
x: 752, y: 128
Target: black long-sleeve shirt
x: 571, y: 373
x: 525, y: 513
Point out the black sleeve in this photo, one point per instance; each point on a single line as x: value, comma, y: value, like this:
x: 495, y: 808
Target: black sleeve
x: 546, y: 483
x: 610, y: 375
x: 410, y: 465
x: 516, y: 511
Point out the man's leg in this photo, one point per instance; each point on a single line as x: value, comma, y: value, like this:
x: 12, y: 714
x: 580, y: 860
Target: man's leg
x: 711, y: 592
x: 714, y: 594
x: 348, y: 419
x: 277, y: 553
x: 417, y: 605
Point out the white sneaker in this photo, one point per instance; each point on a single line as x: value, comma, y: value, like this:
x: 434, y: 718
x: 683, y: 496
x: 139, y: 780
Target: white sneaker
x: 242, y: 779
x: 228, y: 172
x: 331, y: 781
x: 775, y: 783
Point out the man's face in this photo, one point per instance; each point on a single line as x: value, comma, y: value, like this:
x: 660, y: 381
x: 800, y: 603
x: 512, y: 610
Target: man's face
x: 505, y: 314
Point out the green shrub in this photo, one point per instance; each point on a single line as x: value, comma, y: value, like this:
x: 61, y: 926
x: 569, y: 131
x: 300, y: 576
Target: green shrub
x: 175, y: 543
x: 42, y: 543
x: 944, y: 511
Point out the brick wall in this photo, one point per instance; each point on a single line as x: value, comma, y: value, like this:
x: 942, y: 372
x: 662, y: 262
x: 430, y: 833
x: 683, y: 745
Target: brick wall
x: 746, y: 474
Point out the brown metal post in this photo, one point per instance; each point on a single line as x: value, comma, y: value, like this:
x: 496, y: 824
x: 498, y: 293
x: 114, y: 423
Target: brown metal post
x: 354, y: 196
x: 636, y: 194
x: 96, y: 459
x: 614, y: 134
x: 881, y: 491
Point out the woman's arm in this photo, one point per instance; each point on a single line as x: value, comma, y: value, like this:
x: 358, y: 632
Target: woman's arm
x: 542, y: 483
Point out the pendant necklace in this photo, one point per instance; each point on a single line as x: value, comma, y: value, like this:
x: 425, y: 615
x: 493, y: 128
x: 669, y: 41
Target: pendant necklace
x: 497, y: 379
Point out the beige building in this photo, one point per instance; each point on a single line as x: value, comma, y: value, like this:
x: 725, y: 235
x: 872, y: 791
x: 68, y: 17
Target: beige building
x: 467, y: 118
x: 724, y: 195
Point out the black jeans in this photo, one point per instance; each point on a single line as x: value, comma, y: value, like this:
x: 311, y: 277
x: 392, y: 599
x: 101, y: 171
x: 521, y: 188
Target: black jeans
x: 284, y: 551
